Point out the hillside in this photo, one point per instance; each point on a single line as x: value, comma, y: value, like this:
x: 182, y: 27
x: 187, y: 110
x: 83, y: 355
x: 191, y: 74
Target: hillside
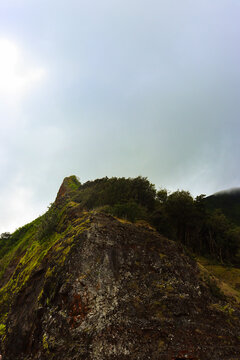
x: 81, y: 284
x: 228, y: 201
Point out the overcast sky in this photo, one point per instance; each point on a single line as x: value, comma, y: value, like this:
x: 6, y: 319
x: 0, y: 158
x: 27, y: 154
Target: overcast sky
x: 116, y: 88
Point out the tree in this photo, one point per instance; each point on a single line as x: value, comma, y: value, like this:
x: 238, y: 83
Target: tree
x: 162, y: 196
x: 181, y: 212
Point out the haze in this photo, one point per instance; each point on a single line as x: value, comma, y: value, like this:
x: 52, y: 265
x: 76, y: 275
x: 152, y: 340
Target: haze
x: 116, y: 88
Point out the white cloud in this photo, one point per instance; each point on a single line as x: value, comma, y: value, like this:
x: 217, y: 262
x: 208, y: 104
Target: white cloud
x: 18, y: 208
x: 17, y: 75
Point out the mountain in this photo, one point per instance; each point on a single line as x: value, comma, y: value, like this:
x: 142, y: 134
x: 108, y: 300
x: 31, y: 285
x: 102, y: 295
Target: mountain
x: 228, y: 201
x: 83, y: 285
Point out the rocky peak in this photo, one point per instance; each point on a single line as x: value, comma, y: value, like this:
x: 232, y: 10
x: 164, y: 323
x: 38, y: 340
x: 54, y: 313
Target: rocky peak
x: 68, y: 186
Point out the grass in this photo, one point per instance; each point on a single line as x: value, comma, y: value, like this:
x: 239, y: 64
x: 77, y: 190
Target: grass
x: 226, y: 277
x: 30, y: 249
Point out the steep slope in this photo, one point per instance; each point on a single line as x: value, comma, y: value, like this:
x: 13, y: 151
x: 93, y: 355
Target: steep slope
x: 84, y: 285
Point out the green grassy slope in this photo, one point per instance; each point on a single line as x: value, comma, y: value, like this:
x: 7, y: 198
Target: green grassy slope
x: 46, y: 241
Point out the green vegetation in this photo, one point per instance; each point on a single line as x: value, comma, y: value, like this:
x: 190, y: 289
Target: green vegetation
x: 228, y: 202
x: 14, y: 246
x: 50, y: 236
x: 130, y: 198
x: 73, y: 183
x: 2, y: 329
x: 202, y: 230
x: 227, y: 277
x: 37, y: 254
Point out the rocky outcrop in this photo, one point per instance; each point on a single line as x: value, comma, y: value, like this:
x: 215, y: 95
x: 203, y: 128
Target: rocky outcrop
x: 69, y: 185
x: 107, y: 289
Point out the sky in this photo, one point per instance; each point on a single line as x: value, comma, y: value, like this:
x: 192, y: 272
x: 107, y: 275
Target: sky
x: 116, y: 88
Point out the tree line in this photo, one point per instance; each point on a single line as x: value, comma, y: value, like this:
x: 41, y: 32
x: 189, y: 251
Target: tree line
x: 177, y: 215
x: 206, y: 232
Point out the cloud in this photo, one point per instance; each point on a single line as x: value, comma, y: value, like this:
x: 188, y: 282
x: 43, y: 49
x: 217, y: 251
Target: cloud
x: 119, y: 89
x: 17, y: 76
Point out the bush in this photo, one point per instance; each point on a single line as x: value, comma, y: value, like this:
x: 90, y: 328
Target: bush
x: 129, y: 210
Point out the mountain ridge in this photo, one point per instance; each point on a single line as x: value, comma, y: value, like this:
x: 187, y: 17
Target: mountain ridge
x: 90, y: 286
x: 229, y: 203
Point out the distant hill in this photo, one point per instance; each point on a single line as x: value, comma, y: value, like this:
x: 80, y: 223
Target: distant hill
x: 228, y: 201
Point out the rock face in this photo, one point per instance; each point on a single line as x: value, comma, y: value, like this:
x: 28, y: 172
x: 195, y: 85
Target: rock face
x: 106, y: 289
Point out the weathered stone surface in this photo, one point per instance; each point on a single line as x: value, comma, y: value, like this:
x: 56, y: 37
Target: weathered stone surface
x: 121, y: 292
